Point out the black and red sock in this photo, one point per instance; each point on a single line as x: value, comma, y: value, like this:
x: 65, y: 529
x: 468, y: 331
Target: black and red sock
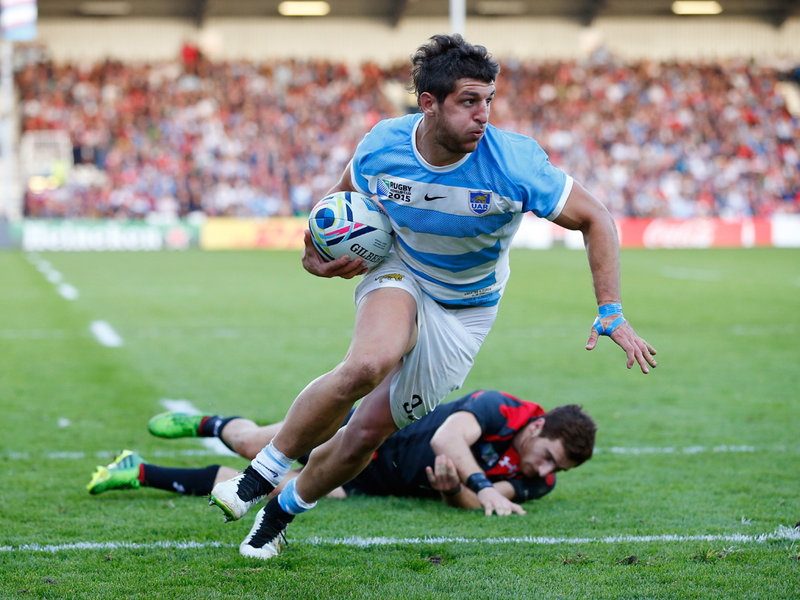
x: 212, y: 426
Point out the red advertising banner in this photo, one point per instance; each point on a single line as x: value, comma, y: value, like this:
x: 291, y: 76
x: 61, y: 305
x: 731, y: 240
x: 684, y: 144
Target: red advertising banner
x: 694, y: 233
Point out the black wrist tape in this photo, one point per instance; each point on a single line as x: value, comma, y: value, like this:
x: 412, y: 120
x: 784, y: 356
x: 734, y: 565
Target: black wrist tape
x: 477, y: 481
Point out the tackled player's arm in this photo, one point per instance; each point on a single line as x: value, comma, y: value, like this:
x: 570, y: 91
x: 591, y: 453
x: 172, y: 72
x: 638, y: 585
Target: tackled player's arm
x: 444, y: 478
x: 452, y: 440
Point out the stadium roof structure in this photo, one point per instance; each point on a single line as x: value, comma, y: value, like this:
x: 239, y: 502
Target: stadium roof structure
x: 775, y: 12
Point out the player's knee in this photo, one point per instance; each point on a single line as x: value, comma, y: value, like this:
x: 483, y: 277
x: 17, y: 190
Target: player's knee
x: 363, y: 374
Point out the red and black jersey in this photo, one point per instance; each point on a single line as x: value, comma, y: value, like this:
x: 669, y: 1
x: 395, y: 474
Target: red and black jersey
x: 398, y: 468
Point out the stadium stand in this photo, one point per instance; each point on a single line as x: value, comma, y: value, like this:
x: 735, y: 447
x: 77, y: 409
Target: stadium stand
x: 234, y: 139
x: 656, y: 138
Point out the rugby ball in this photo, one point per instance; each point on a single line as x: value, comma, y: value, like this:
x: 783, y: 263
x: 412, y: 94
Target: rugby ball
x: 349, y: 223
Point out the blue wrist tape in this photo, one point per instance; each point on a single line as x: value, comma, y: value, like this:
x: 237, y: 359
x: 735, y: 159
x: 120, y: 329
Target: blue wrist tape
x: 609, y: 310
x: 612, y: 308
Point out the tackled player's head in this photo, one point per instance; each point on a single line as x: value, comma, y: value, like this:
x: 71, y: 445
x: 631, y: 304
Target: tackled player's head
x: 437, y: 65
x: 575, y: 429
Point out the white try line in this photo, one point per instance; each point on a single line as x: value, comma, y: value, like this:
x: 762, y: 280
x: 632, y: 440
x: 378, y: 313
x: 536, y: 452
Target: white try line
x: 782, y: 533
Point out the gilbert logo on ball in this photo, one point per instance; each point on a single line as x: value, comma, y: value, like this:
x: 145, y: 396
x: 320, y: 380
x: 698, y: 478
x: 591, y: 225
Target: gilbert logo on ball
x: 349, y: 223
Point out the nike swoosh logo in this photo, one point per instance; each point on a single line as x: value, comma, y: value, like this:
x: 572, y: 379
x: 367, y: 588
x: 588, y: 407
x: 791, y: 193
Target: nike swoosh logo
x: 429, y: 198
x: 273, y: 472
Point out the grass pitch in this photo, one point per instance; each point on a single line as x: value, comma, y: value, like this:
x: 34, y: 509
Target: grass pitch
x: 693, y: 492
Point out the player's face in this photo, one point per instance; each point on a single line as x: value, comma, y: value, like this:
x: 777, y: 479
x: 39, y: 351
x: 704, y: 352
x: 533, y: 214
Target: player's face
x: 541, y: 456
x: 462, y: 118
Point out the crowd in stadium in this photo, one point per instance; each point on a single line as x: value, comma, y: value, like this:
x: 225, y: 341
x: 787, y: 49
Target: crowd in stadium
x: 651, y: 139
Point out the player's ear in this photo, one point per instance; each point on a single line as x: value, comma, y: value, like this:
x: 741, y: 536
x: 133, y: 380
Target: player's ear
x: 427, y: 103
x: 535, y: 427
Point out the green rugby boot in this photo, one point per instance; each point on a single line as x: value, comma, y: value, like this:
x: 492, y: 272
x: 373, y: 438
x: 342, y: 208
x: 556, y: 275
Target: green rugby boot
x: 122, y: 474
x: 175, y: 425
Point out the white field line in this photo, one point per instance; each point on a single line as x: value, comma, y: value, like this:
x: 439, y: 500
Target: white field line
x: 220, y: 448
x: 102, y: 331
x: 65, y: 290
x: 105, y: 334
x: 782, y: 533
x: 215, y: 445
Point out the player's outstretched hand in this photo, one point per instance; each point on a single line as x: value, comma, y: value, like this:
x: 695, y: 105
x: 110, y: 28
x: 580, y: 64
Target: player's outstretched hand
x: 443, y: 477
x: 636, y: 349
x: 494, y: 502
x: 341, y: 267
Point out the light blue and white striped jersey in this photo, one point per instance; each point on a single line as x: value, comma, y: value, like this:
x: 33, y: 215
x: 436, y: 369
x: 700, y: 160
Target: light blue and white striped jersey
x: 453, y: 224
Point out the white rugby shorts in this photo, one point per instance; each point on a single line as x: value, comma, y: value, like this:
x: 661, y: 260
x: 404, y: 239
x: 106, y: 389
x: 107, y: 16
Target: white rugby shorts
x: 447, y: 343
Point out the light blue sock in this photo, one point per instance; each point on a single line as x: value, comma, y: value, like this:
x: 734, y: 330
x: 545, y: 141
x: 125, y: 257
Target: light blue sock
x: 291, y: 502
x: 271, y: 464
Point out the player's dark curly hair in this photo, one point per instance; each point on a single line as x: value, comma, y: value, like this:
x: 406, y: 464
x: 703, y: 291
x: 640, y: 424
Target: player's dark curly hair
x: 437, y: 65
x: 574, y: 428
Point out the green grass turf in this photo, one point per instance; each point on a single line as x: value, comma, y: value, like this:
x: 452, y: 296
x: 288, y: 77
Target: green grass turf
x: 243, y: 332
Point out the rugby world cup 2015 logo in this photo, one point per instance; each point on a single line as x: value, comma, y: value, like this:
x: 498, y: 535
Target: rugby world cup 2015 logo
x: 479, y: 202
x: 397, y: 191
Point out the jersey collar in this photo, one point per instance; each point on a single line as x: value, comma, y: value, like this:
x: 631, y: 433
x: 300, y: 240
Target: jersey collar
x: 425, y: 163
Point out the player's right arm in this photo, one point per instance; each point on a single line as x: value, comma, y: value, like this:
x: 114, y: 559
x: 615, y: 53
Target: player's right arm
x: 342, y: 267
x: 454, y: 438
x: 585, y: 213
x: 444, y: 478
